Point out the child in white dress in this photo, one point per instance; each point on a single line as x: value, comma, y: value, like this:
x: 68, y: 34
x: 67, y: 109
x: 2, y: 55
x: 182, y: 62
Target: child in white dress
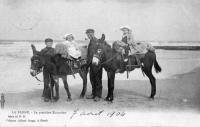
x: 69, y: 48
x: 72, y: 46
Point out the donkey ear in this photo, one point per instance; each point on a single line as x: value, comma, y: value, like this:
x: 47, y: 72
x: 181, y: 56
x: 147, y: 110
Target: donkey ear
x: 103, y: 37
x: 33, y: 49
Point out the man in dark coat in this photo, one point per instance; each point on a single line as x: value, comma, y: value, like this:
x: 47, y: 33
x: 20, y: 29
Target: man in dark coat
x: 95, y: 75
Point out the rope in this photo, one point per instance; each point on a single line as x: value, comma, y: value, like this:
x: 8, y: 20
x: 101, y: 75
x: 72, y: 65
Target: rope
x: 38, y: 79
x: 37, y: 74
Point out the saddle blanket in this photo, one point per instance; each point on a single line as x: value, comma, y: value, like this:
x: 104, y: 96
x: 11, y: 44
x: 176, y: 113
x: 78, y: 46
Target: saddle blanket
x: 62, y: 49
x: 139, y: 47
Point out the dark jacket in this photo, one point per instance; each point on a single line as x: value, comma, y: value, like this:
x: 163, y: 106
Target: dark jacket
x: 48, y: 51
x: 91, y: 49
x: 49, y: 67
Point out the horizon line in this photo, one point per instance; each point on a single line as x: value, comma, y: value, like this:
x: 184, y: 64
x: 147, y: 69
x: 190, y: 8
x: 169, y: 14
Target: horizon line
x: 33, y: 40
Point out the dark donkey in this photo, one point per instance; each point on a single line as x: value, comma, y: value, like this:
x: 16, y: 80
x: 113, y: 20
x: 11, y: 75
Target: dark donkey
x: 110, y: 60
x: 55, y: 67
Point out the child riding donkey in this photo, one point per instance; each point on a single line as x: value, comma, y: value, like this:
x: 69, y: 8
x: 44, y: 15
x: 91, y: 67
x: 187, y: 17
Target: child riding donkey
x: 128, y: 47
x: 70, y: 50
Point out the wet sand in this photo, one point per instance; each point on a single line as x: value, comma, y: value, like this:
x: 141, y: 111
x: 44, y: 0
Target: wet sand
x: 180, y: 93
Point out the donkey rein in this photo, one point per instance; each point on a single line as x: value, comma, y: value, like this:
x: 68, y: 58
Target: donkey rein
x: 108, y: 60
x: 37, y: 77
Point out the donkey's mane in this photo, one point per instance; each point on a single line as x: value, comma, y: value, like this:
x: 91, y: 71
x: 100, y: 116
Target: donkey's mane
x: 106, y: 45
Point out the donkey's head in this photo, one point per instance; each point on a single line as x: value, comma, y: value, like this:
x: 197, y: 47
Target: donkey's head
x: 36, y: 62
x: 101, y: 51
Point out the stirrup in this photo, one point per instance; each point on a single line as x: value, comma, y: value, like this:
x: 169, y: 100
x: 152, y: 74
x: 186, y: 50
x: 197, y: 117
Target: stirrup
x: 126, y: 60
x: 75, y: 66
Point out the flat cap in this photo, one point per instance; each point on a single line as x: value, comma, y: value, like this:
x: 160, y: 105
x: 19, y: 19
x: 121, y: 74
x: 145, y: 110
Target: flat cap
x: 89, y: 31
x: 48, y: 40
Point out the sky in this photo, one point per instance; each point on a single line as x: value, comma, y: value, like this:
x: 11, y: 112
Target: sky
x: 155, y: 20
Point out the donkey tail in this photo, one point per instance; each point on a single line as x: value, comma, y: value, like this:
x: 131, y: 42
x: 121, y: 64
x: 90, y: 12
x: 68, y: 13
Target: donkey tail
x: 157, y: 66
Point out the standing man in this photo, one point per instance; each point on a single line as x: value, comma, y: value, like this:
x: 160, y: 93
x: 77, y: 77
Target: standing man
x: 95, y: 75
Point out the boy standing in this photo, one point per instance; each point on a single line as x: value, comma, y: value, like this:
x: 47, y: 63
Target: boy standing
x: 48, y: 50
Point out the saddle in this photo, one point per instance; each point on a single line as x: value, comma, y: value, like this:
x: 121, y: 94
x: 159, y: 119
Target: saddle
x: 76, y: 63
x: 68, y: 65
x: 139, y: 47
x: 132, y: 60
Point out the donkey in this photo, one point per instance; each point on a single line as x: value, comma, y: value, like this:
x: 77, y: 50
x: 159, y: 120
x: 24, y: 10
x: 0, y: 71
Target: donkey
x: 55, y: 67
x: 111, y: 60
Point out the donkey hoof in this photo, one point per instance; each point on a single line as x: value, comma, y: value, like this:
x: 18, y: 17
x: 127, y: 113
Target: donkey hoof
x: 106, y: 99
x: 81, y: 96
x: 69, y: 99
x: 55, y: 98
x: 46, y: 99
x: 109, y: 99
x: 109, y: 102
x: 151, y: 98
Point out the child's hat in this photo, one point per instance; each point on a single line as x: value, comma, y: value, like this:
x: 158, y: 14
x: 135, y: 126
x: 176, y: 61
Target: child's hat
x: 68, y: 35
x: 125, y: 27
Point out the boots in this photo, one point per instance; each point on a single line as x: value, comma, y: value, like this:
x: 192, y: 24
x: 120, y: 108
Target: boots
x: 137, y: 60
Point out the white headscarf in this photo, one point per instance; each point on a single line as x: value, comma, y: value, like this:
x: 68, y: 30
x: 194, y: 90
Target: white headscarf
x: 68, y: 35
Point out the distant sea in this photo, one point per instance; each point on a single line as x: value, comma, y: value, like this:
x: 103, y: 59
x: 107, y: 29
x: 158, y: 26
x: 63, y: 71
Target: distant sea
x: 168, y: 45
x: 155, y: 43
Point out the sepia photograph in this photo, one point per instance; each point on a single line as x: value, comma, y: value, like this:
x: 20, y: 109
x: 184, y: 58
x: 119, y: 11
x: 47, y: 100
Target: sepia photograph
x: 85, y: 63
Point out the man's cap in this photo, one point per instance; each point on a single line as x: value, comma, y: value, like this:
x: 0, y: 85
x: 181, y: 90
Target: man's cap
x: 89, y: 31
x: 48, y: 40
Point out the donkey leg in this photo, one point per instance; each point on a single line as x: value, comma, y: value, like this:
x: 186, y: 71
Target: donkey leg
x: 56, y: 81
x: 43, y: 92
x: 111, y: 79
x: 46, y: 82
x: 64, y: 78
x: 108, y: 94
x: 83, y: 75
x: 52, y: 85
x: 46, y: 92
x: 152, y: 81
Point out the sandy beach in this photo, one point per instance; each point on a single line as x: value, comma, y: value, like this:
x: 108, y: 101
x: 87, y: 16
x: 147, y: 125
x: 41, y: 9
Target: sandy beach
x: 180, y: 93
x: 177, y: 85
